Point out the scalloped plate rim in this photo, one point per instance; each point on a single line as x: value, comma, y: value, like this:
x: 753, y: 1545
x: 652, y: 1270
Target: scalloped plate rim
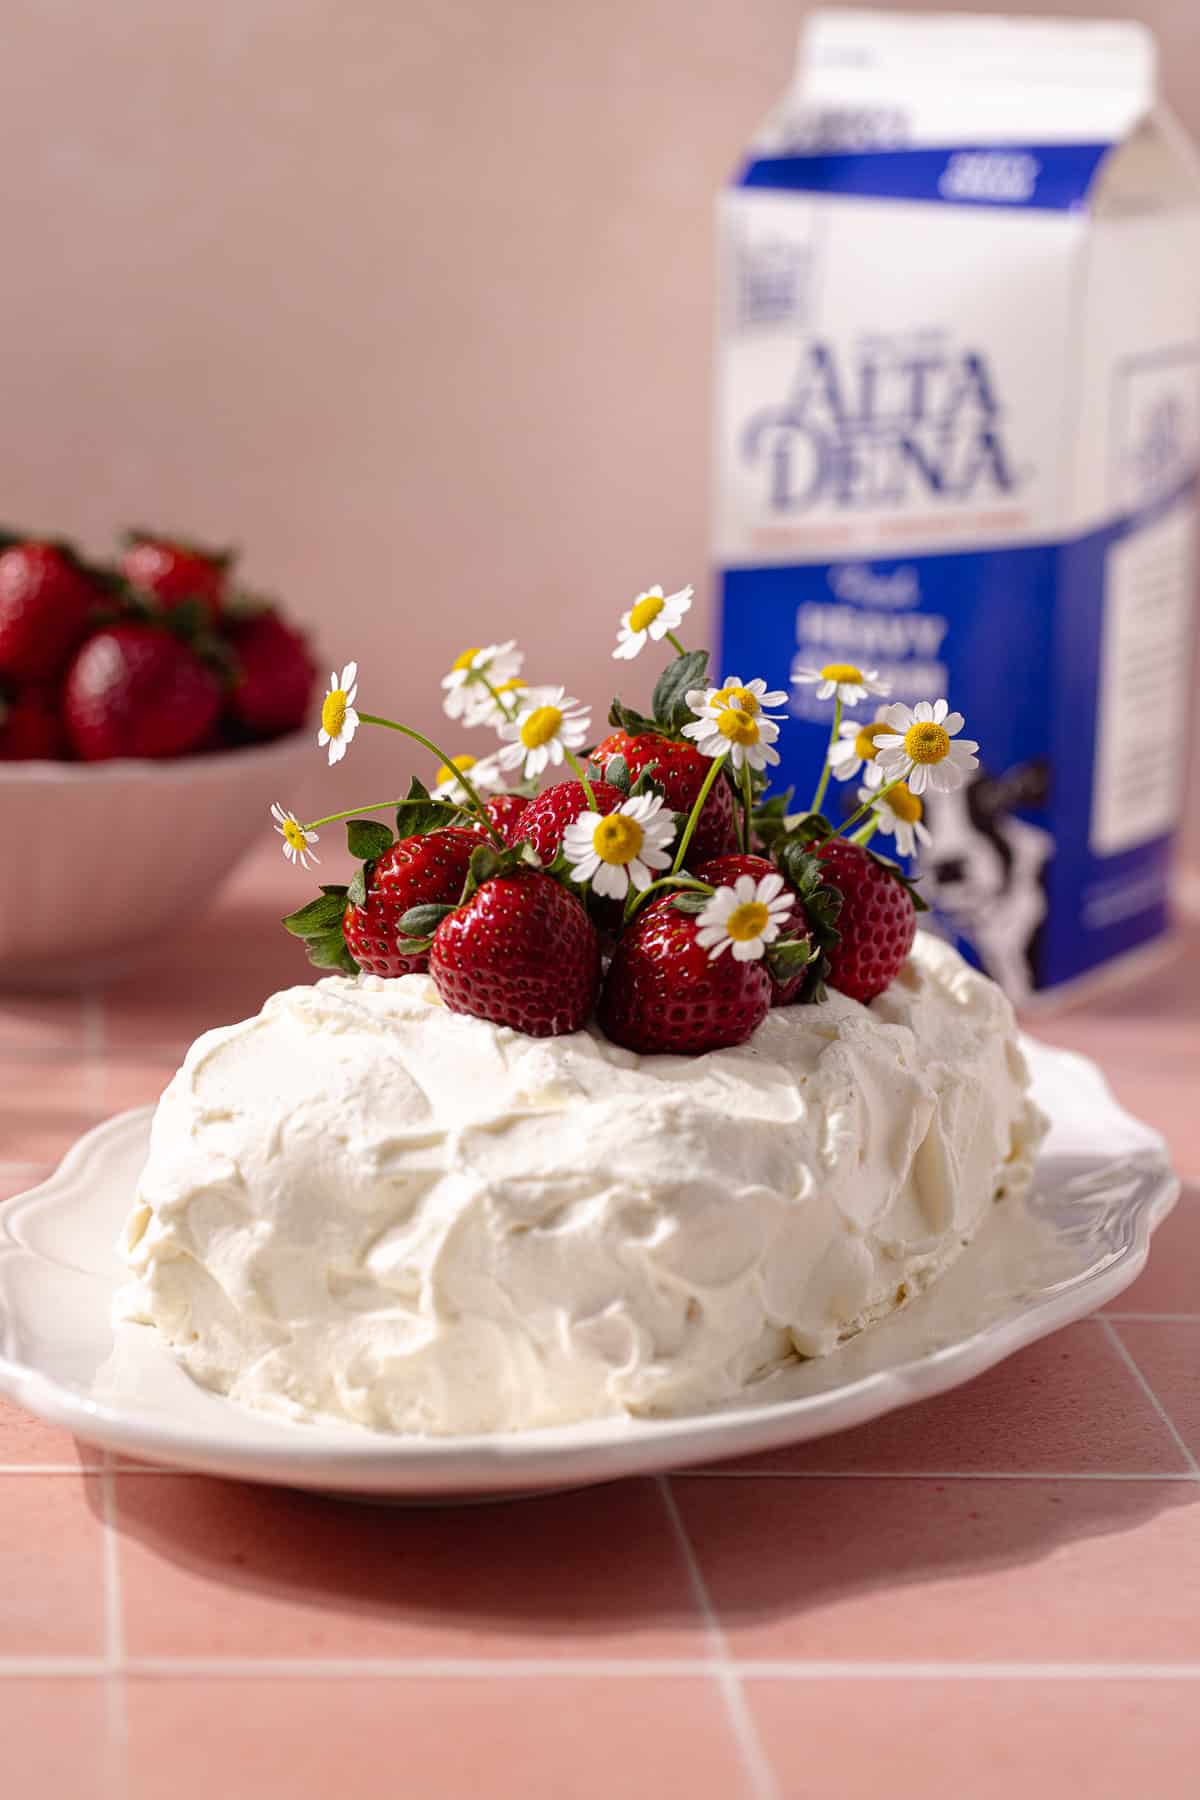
x: 351, y: 1459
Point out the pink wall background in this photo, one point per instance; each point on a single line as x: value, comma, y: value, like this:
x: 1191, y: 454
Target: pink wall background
x: 411, y: 298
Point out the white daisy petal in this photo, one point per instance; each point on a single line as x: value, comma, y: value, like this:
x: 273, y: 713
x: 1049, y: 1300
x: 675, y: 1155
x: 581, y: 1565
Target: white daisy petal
x: 749, y: 949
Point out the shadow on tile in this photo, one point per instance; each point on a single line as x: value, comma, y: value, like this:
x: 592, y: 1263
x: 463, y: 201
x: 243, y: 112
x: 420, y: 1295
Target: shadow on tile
x: 222, y: 1568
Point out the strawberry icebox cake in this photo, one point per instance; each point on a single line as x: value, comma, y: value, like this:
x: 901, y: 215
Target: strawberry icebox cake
x: 620, y: 1093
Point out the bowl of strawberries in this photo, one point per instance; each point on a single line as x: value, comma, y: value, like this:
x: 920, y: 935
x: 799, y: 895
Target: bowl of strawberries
x: 149, y: 713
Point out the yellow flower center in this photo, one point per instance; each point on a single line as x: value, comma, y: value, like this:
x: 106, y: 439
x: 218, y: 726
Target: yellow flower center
x: 737, y: 726
x: 906, y: 806
x: 841, y: 672
x: 543, y: 723
x: 739, y: 697
x: 926, y: 742
x: 294, y: 834
x: 864, y: 743
x: 333, y: 712
x: 514, y: 685
x: 747, y: 921
x: 465, y: 660
x: 448, y: 771
x: 618, y: 838
x: 645, y: 612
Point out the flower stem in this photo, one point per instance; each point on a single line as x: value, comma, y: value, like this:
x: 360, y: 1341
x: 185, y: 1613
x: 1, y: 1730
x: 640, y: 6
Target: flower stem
x: 867, y: 832
x: 867, y: 806
x: 355, y: 812
x: 680, y: 883
x: 827, y: 770
x: 498, y: 697
x: 581, y: 774
x: 434, y: 750
x: 689, y: 830
x: 747, y: 804
x: 675, y: 643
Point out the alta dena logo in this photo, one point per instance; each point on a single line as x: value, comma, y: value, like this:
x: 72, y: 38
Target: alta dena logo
x: 896, y: 425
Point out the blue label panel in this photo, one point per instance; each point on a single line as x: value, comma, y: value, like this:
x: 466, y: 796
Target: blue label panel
x: 1012, y: 638
x: 1037, y: 177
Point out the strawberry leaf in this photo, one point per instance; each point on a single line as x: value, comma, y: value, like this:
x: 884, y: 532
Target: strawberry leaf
x: 487, y: 862
x: 367, y: 839
x: 907, y: 882
x: 413, y: 946
x: 646, y: 784
x: 419, y: 814
x: 768, y: 819
x: 636, y: 724
x: 356, y: 893
x: 330, y: 952
x: 673, y: 686
x: 822, y: 902
x: 617, y: 774
x: 318, y: 918
x: 421, y: 921
x: 788, y: 956
x: 690, y: 903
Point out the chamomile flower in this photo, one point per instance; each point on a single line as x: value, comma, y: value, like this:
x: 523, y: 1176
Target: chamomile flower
x: 899, y: 813
x: 920, y: 747
x: 617, y: 849
x: 721, y: 728
x: 843, y: 681
x: 472, y: 674
x: 652, y: 615
x: 496, y: 704
x: 339, y: 721
x: 297, y: 842
x: 753, y: 697
x: 485, y: 772
x: 549, y: 725
x: 855, y: 748
x: 744, y: 918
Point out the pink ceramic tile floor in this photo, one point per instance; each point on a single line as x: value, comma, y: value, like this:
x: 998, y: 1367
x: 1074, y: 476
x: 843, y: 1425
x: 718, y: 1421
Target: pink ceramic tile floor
x: 996, y: 1592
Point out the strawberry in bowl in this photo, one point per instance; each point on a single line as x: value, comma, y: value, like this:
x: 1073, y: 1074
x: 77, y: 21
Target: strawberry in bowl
x: 131, y: 697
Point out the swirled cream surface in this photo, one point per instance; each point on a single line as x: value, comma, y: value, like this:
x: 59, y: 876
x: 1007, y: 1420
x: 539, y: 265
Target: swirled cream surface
x: 359, y: 1205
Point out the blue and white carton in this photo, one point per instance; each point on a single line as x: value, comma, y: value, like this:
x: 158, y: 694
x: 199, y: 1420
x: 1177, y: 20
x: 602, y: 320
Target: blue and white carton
x: 958, y: 435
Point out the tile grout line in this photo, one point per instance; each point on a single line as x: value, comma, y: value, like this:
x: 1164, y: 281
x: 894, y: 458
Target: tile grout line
x: 931, y: 1475
x: 1134, y: 1368
x: 114, y: 1630
x: 117, y: 1735
x: 583, y: 1668
x: 763, y: 1785
x: 1150, y: 1318
x: 703, y: 1474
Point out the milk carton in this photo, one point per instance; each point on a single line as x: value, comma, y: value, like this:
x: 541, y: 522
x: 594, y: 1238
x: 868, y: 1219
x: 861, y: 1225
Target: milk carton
x: 958, y: 431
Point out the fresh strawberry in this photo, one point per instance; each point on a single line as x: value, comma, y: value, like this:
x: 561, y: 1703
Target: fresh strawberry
x: 665, y: 994
x: 416, y: 871
x: 723, y: 871
x: 877, y: 923
x: 546, y: 819
x: 503, y: 810
x: 46, y: 598
x: 681, y: 772
x: 30, y: 726
x: 135, y: 690
x: 174, y: 572
x: 506, y: 812
x: 520, y: 952
x: 274, y: 675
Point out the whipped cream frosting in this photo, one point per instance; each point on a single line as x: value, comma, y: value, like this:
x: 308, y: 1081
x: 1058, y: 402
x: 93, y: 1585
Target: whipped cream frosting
x: 359, y: 1205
